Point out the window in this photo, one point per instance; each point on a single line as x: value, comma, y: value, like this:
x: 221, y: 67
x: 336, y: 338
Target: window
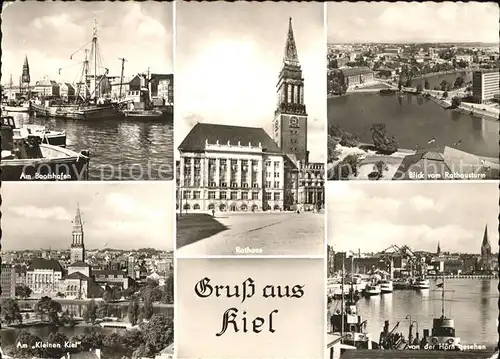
x: 268, y: 163
x: 276, y: 164
x: 197, y: 163
x: 244, y: 195
x: 268, y: 174
x: 187, y: 194
x: 212, y: 184
x: 268, y: 184
x: 223, y: 184
x: 187, y: 161
x: 196, y: 195
x: 255, y: 195
x: 234, y: 185
x: 245, y: 185
x: 234, y: 195
x: 223, y: 195
x: 255, y: 185
x: 276, y: 184
x: 276, y: 174
x: 277, y: 196
x: 211, y: 194
x: 268, y: 196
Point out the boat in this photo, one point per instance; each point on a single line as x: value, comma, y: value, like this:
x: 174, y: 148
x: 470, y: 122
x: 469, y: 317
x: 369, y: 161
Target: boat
x: 143, y: 114
x: 116, y: 325
x: 401, y: 284
x: 49, y: 137
x: 386, y: 286
x: 442, y: 336
x: 421, y: 283
x: 372, y: 289
x: 24, y: 157
x: 24, y: 108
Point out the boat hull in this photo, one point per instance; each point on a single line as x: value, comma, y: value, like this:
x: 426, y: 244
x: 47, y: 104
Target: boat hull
x: 16, y: 109
x: 68, y: 166
x: 55, y: 140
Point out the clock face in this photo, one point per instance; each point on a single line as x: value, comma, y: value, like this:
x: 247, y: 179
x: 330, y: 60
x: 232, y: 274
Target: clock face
x: 294, y: 122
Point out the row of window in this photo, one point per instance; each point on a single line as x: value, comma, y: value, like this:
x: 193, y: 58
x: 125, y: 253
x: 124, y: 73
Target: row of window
x: 222, y: 162
x: 197, y: 183
x: 254, y: 195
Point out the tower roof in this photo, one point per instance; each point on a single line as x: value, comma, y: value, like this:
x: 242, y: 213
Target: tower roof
x: 290, y: 57
x: 78, y: 216
x: 486, y: 241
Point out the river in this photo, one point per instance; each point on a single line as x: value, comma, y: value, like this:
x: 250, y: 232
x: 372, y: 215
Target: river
x: 472, y: 303
x: 413, y: 121
x: 119, y: 149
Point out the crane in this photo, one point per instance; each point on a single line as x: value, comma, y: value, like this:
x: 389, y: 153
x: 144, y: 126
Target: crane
x: 123, y: 60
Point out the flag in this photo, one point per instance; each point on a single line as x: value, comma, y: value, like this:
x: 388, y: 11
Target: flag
x: 440, y: 285
x: 432, y: 141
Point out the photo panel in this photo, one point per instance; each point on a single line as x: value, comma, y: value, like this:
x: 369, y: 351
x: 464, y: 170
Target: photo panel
x: 250, y: 308
x: 87, y: 91
x: 413, y: 99
x: 250, y: 128
x: 87, y: 270
x: 412, y: 270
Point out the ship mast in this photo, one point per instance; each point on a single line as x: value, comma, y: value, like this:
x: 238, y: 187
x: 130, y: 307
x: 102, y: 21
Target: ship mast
x: 94, y: 45
x: 442, y: 300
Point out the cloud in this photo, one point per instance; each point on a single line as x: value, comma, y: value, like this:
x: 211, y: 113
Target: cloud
x: 421, y: 203
x: 59, y: 22
x: 32, y: 212
x: 144, y: 24
x: 124, y: 203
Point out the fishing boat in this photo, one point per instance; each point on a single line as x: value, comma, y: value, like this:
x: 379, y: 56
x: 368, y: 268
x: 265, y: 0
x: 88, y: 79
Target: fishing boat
x: 402, y: 284
x: 24, y: 108
x: 372, y: 289
x: 386, y: 286
x: 24, y: 157
x: 143, y: 114
x: 421, y: 283
x: 442, y: 336
x: 49, y: 137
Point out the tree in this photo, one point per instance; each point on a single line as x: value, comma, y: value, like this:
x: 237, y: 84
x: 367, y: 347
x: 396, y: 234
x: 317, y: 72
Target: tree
x: 378, y: 170
x: 23, y: 291
x: 158, y: 333
x: 30, y: 340
x: 132, y: 339
x: 10, y: 311
x: 445, y: 94
x: 419, y: 88
x: 107, y: 296
x: 444, y: 85
x: 382, y: 142
x: 89, y: 341
x: 426, y: 84
x: 408, y: 83
x: 346, y: 168
x: 400, y: 85
x: 456, y: 102
x: 48, y: 309
x: 147, y: 309
x: 55, y: 352
x: 459, y: 82
x: 332, y: 151
x: 133, y: 311
x: 112, y: 341
x: 90, y: 315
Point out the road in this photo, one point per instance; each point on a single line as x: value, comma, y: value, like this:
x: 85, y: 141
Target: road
x: 282, y: 233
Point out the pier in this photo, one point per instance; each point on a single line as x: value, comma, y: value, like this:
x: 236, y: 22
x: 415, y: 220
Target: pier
x: 465, y: 276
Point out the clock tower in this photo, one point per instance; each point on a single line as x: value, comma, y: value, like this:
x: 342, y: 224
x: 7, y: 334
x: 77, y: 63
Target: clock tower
x: 77, y: 251
x: 290, y: 117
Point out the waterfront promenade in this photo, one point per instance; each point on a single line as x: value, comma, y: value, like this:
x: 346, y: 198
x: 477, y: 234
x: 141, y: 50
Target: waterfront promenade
x: 267, y: 233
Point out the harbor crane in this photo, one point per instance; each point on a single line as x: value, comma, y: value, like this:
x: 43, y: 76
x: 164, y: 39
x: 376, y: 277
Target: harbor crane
x: 415, y: 262
x: 123, y: 60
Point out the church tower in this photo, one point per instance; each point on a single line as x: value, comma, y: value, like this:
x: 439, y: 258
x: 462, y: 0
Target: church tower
x: 290, y: 117
x: 77, y: 251
x: 438, y: 251
x: 25, y: 78
x: 485, y: 246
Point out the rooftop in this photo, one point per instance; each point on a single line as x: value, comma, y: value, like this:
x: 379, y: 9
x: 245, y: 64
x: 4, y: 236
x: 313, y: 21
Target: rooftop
x: 202, y: 133
x: 40, y: 263
x: 356, y: 71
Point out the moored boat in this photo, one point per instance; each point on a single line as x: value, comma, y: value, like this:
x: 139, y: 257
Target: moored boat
x: 25, y: 107
x: 421, y: 283
x: 372, y: 289
x: 49, y: 137
x: 26, y: 158
x: 143, y: 114
x: 386, y: 286
x: 401, y: 284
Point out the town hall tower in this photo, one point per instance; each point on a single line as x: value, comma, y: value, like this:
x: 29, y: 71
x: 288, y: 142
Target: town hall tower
x: 77, y: 251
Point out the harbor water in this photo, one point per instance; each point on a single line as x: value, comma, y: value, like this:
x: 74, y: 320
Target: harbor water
x: 413, y: 121
x: 120, y: 149
x: 472, y: 303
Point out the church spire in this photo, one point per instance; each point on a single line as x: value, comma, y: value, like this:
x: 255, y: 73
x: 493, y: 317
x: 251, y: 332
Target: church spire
x: 26, y: 71
x: 438, y: 249
x: 290, y: 58
x: 486, y: 241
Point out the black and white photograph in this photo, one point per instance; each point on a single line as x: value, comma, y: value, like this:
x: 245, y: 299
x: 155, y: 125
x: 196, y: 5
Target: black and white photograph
x: 87, y: 91
x: 250, y: 128
x: 412, y: 270
x: 413, y: 90
x: 87, y: 270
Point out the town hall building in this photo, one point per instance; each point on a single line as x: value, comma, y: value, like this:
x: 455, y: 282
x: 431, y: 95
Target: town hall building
x: 234, y: 168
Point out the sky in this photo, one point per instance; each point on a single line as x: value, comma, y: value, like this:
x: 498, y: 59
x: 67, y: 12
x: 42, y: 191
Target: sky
x: 412, y: 22
x: 121, y: 215
x: 228, y: 58
x: 374, y: 216
x: 49, y: 32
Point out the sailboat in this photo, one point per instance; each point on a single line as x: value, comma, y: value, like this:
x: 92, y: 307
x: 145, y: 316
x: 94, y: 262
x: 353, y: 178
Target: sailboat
x: 90, y: 104
x: 442, y: 335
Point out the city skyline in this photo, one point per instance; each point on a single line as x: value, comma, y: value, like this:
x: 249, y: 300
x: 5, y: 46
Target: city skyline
x: 116, y: 216
x: 418, y: 215
x: 428, y: 22
x: 227, y: 66
x: 139, y: 32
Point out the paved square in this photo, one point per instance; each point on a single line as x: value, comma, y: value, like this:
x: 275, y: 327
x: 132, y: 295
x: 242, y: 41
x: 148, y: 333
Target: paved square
x: 284, y: 233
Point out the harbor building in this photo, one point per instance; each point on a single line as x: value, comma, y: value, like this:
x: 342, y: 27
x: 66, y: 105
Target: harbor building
x: 485, y: 85
x: 46, y: 88
x: 356, y: 76
x: 237, y: 168
x: 8, y: 282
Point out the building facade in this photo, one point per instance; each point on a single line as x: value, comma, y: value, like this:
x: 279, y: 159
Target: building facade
x: 8, y: 282
x: 356, y: 76
x: 43, y: 276
x: 485, y: 85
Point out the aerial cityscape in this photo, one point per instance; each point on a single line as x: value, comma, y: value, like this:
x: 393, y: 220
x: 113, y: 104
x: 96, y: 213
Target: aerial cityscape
x: 416, y: 102
x: 97, y: 105
x: 261, y: 185
x: 86, y: 287
x: 428, y: 273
